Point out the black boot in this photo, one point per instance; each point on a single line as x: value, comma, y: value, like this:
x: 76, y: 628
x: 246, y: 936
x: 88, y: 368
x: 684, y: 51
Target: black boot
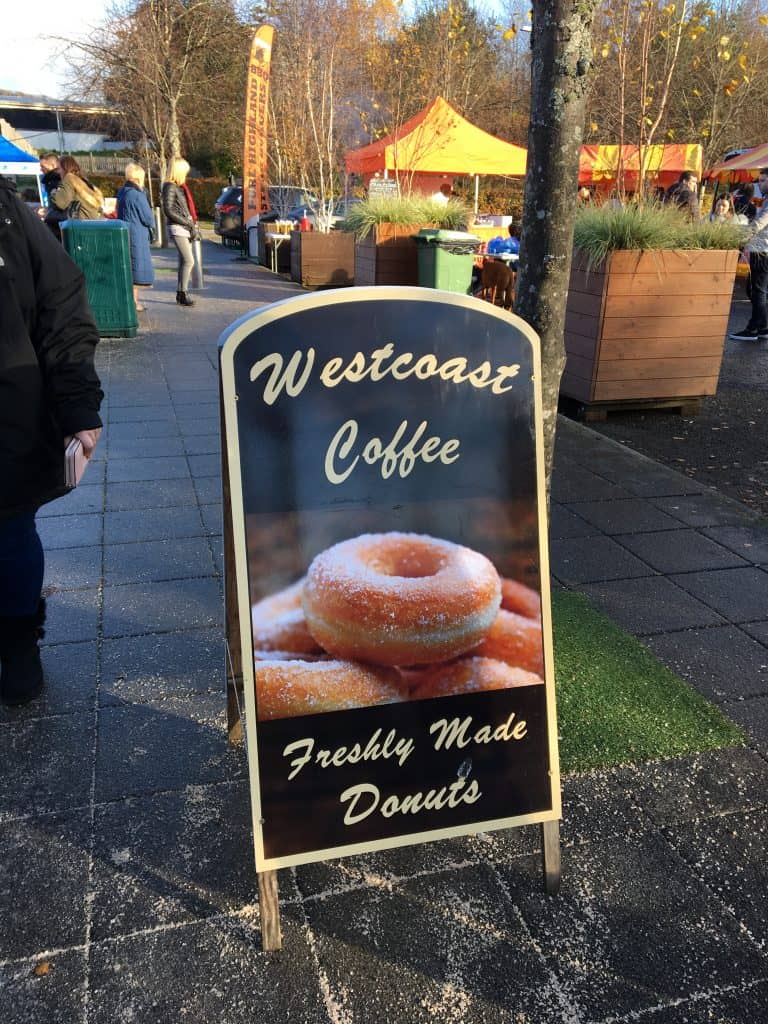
x: 21, y: 672
x: 183, y: 299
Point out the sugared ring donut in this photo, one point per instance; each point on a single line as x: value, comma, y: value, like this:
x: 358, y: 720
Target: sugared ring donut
x: 286, y: 689
x: 470, y: 675
x: 516, y: 597
x: 279, y: 624
x: 516, y: 640
x: 400, y: 599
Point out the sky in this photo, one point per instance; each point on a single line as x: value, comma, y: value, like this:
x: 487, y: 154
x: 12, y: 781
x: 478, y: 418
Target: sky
x: 28, y: 61
x: 31, y: 63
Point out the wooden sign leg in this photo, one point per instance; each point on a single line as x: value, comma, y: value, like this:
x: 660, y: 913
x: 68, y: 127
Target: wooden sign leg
x: 269, y: 906
x: 550, y: 855
x: 233, y: 669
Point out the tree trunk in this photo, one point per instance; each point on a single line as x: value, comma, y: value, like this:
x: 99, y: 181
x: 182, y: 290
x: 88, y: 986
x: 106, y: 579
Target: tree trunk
x: 561, y: 50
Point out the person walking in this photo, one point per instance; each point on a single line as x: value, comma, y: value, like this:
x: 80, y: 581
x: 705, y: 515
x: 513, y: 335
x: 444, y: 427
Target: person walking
x: 51, y: 180
x: 179, y: 210
x: 133, y: 208
x: 757, y: 250
x: 76, y: 196
x: 51, y: 392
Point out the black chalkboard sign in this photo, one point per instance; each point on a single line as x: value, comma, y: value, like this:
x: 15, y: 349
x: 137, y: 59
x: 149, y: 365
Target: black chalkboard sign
x: 388, y: 523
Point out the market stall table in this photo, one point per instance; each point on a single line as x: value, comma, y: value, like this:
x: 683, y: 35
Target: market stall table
x: 274, y: 240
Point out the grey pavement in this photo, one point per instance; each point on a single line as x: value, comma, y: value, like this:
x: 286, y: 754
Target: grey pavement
x: 127, y: 885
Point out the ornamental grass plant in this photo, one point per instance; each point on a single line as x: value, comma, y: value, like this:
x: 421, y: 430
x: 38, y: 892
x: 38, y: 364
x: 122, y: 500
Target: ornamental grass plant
x: 365, y: 216
x: 601, y: 230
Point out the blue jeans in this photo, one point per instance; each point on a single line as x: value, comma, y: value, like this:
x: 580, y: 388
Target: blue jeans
x: 21, y: 566
x: 758, y: 283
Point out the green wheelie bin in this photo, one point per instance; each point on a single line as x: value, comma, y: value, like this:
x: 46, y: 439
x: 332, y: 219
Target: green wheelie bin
x: 445, y: 259
x: 101, y: 248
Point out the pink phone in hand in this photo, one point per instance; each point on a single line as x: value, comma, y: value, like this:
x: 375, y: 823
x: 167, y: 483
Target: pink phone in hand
x: 75, y: 462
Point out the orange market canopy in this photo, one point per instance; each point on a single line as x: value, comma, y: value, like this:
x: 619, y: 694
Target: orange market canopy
x: 664, y: 163
x: 438, y: 140
x: 743, y: 167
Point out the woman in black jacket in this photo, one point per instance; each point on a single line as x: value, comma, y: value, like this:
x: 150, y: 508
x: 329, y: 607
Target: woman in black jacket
x: 179, y: 210
x: 50, y: 392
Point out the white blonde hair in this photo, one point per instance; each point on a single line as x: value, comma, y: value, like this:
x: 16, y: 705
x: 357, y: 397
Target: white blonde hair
x: 178, y: 171
x: 135, y: 173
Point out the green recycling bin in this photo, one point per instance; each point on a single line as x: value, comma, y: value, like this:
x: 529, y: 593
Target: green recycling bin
x: 101, y: 248
x: 445, y: 259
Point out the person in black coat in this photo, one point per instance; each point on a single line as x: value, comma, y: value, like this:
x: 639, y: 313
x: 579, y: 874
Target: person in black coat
x: 179, y: 210
x: 50, y: 392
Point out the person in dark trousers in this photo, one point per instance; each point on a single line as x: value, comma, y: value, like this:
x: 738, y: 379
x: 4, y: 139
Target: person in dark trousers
x: 51, y: 180
x: 50, y: 392
x: 757, y: 249
x: 179, y: 210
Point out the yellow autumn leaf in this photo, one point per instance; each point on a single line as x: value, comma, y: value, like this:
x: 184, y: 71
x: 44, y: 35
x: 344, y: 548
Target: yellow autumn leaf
x: 696, y: 93
x: 605, y: 50
x: 763, y: 19
x: 724, y: 55
x: 670, y: 133
x: 510, y: 33
x: 593, y: 126
x: 742, y: 62
x: 724, y: 40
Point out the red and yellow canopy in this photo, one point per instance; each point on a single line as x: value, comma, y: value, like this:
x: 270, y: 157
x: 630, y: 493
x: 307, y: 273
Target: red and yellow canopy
x: 599, y: 165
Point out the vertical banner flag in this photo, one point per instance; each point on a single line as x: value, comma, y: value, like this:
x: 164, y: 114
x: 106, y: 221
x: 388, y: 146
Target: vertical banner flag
x: 255, y: 196
x: 389, y: 528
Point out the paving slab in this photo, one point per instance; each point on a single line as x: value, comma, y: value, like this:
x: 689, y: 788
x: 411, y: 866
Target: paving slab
x: 708, y: 509
x: 626, y: 515
x: 161, y: 607
x: 71, y: 531
x: 172, y: 858
x: 72, y: 568
x: 71, y: 680
x: 72, y: 616
x: 44, y: 861
x: 88, y: 497
x: 50, y: 988
x: 702, y: 786
x: 573, y: 561
x: 145, y: 668
x: 681, y: 550
x: 47, y: 764
x: 157, y: 560
x: 151, y: 524
x: 651, y: 605
x: 161, y: 494
x: 722, y: 662
x: 633, y: 928
x: 445, y: 947
x: 752, y: 716
x: 206, y: 972
x: 728, y: 854
x: 750, y: 542
x: 164, y: 745
x: 737, y: 594
x: 168, y: 467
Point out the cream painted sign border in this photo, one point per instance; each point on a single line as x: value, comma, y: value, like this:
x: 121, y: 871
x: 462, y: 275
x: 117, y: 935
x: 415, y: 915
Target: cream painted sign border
x: 228, y: 345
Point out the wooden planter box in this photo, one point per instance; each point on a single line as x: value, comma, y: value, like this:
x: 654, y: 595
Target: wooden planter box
x: 647, y: 328
x: 387, y: 255
x: 321, y: 260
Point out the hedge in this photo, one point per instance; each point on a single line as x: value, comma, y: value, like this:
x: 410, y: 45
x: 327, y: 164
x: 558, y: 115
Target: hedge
x: 205, y: 191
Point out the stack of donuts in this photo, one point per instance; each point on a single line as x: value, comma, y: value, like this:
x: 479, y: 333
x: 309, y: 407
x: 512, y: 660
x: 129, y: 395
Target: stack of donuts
x: 390, y: 617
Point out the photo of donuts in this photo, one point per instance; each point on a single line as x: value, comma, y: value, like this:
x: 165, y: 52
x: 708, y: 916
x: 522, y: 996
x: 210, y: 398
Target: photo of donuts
x: 383, y: 618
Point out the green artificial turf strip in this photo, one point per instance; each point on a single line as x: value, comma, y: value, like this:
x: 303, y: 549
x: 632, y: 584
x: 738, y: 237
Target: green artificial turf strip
x: 616, y: 703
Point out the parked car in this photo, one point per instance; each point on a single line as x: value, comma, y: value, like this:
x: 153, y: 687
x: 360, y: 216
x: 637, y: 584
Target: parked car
x: 228, y: 209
